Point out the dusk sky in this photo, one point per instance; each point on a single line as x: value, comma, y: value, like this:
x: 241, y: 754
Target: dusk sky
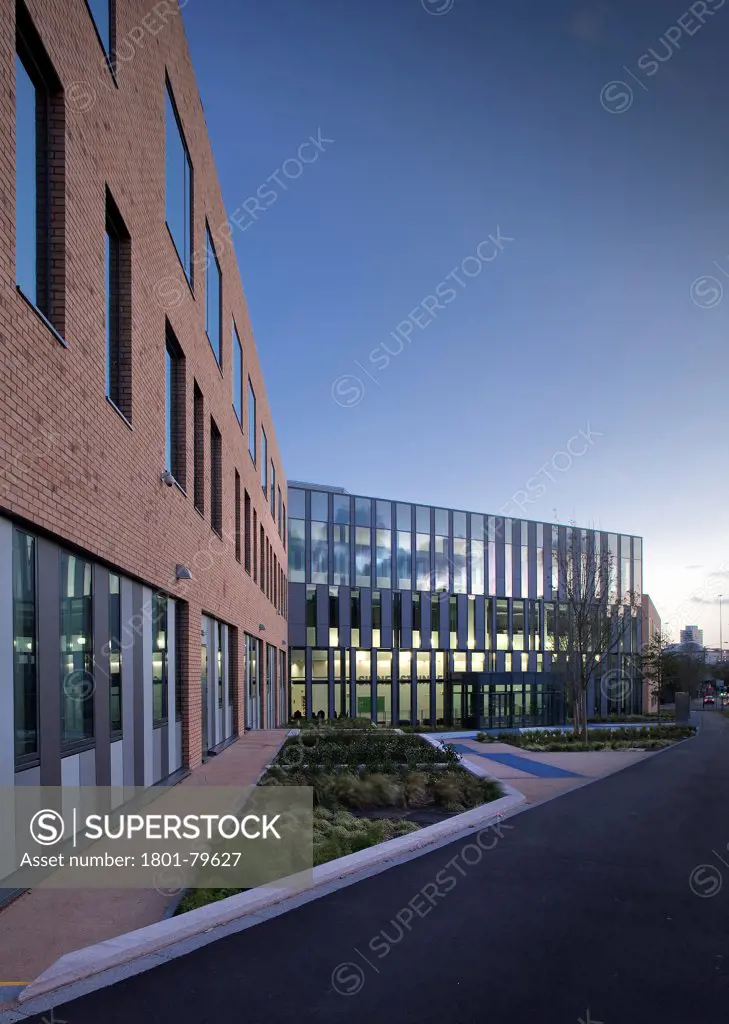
x: 447, y: 128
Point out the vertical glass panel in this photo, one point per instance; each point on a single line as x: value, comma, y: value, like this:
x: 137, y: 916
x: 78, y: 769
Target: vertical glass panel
x: 477, y: 567
x: 297, y: 549
x: 341, y: 555
x: 416, y: 620
x: 159, y: 657
x: 540, y: 535
x: 471, y: 623
x: 492, y: 567
x: 320, y: 665
x: 508, y: 570
x: 453, y: 621
x: 237, y: 376
x: 442, y: 563
x: 488, y: 625
x: 320, y: 506
x: 540, y: 572
x: 524, y: 571
x: 383, y: 515
x: 534, y: 626
x: 25, y: 668
x: 252, y: 422
x: 396, y: 619
x: 440, y: 664
x: 363, y: 556
x: 213, y: 298
x: 404, y: 518
x: 384, y: 666
x: 550, y: 626
x: 422, y: 519
x: 460, y: 584
x: 502, y: 624
x: 341, y: 508
x: 477, y: 527
x: 434, y: 620
x: 637, y: 547
x: 507, y: 531
x: 178, y: 186
x: 517, y: 612
x: 26, y: 176
x: 405, y: 665
x: 100, y: 12
x: 363, y: 666
x: 460, y: 659
x: 77, y: 656
x: 264, y: 462
x: 459, y: 525
x: 376, y: 618
x: 384, y: 558
x: 363, y: 511
x: 319, y: 553
x: 422, y: 561
x: 478, y: 661
x: 423, y: 665
x: 297, y: 503
x: 404, y: 560
x: 320, y: 700
x: 441, y: 522
x: 115, y: 655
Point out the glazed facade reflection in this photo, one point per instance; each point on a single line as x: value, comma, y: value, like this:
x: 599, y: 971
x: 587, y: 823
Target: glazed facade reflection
x: 388, y: 600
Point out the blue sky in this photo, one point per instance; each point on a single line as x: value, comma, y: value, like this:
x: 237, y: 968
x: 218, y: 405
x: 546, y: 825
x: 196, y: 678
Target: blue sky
x: 446, y: 128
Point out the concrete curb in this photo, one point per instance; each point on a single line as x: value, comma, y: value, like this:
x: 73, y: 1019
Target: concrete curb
x: 154, y: 944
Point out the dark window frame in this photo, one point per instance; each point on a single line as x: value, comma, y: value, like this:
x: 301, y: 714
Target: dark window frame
x: 118, y: 293
x: 216, y: 478
x: 175, y: 411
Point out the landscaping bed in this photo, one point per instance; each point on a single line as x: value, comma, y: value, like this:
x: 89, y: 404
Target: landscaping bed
x: 555, y: 741
x: 370, y: 785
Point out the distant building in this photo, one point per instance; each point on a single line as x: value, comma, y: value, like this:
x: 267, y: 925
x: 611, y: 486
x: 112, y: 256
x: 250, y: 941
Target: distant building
x: 692, y: 634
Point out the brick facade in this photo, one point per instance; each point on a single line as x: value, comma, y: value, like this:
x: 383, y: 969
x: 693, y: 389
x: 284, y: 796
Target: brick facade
x: 71, y: 466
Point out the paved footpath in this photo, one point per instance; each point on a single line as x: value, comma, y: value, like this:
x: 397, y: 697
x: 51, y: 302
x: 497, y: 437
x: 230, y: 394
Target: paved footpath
x: 591, y: 907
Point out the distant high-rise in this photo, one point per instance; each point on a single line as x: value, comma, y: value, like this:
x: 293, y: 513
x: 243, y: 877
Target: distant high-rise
x: 692, y: 634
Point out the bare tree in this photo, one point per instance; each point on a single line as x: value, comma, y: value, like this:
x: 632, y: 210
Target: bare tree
x: 598, y: 617
x: 655, y: 665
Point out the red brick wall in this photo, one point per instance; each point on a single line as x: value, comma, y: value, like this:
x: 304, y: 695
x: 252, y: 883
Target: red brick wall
x: 69, y: 463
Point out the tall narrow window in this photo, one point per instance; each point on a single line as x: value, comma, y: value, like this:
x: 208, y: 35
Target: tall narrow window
x: 264, y: 462
x: 237, y: 516
x: 159, y: 659
x: 175, y: 409
x: 254, y: 535
x: 101, y: 12
x: 39, y: 175
x: 262, y: 572
x: 279, y: 513
x: 247, y: 527
x: 216, y: 478
x: 25, y: 629
x: 77, y: 651
x: 297, y: 549
x: 199, y: 445
x: 237, y: 375
x: 213, y: 297
x: 115, y: 656
x: 118, y: 287
x: 178, y: 185
x: 251, y: 421
x: 273, y: 490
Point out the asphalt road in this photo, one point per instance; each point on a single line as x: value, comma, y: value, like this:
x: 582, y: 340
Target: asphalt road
x: 595, y: 901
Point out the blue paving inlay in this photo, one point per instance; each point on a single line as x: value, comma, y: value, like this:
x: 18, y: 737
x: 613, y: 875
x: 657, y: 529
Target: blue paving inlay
x: 524, y: 764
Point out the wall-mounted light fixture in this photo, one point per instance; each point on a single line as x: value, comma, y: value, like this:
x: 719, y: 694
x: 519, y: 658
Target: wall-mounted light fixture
x: 261, y: 628
x: 167, y: 478
x: 182, y: 572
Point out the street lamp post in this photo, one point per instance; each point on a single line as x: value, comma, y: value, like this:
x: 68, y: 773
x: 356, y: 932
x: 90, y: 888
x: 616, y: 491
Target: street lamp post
x: 721, y: 645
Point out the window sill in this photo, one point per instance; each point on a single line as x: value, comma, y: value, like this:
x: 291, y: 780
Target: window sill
x: 114, y: 737
x: 200, y: 512
x: 218, y: 533
x: 120, y: 414
x: 159, y: 723
x: 77, y: 747
x: 41, y: 316
x: 33, y: 761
